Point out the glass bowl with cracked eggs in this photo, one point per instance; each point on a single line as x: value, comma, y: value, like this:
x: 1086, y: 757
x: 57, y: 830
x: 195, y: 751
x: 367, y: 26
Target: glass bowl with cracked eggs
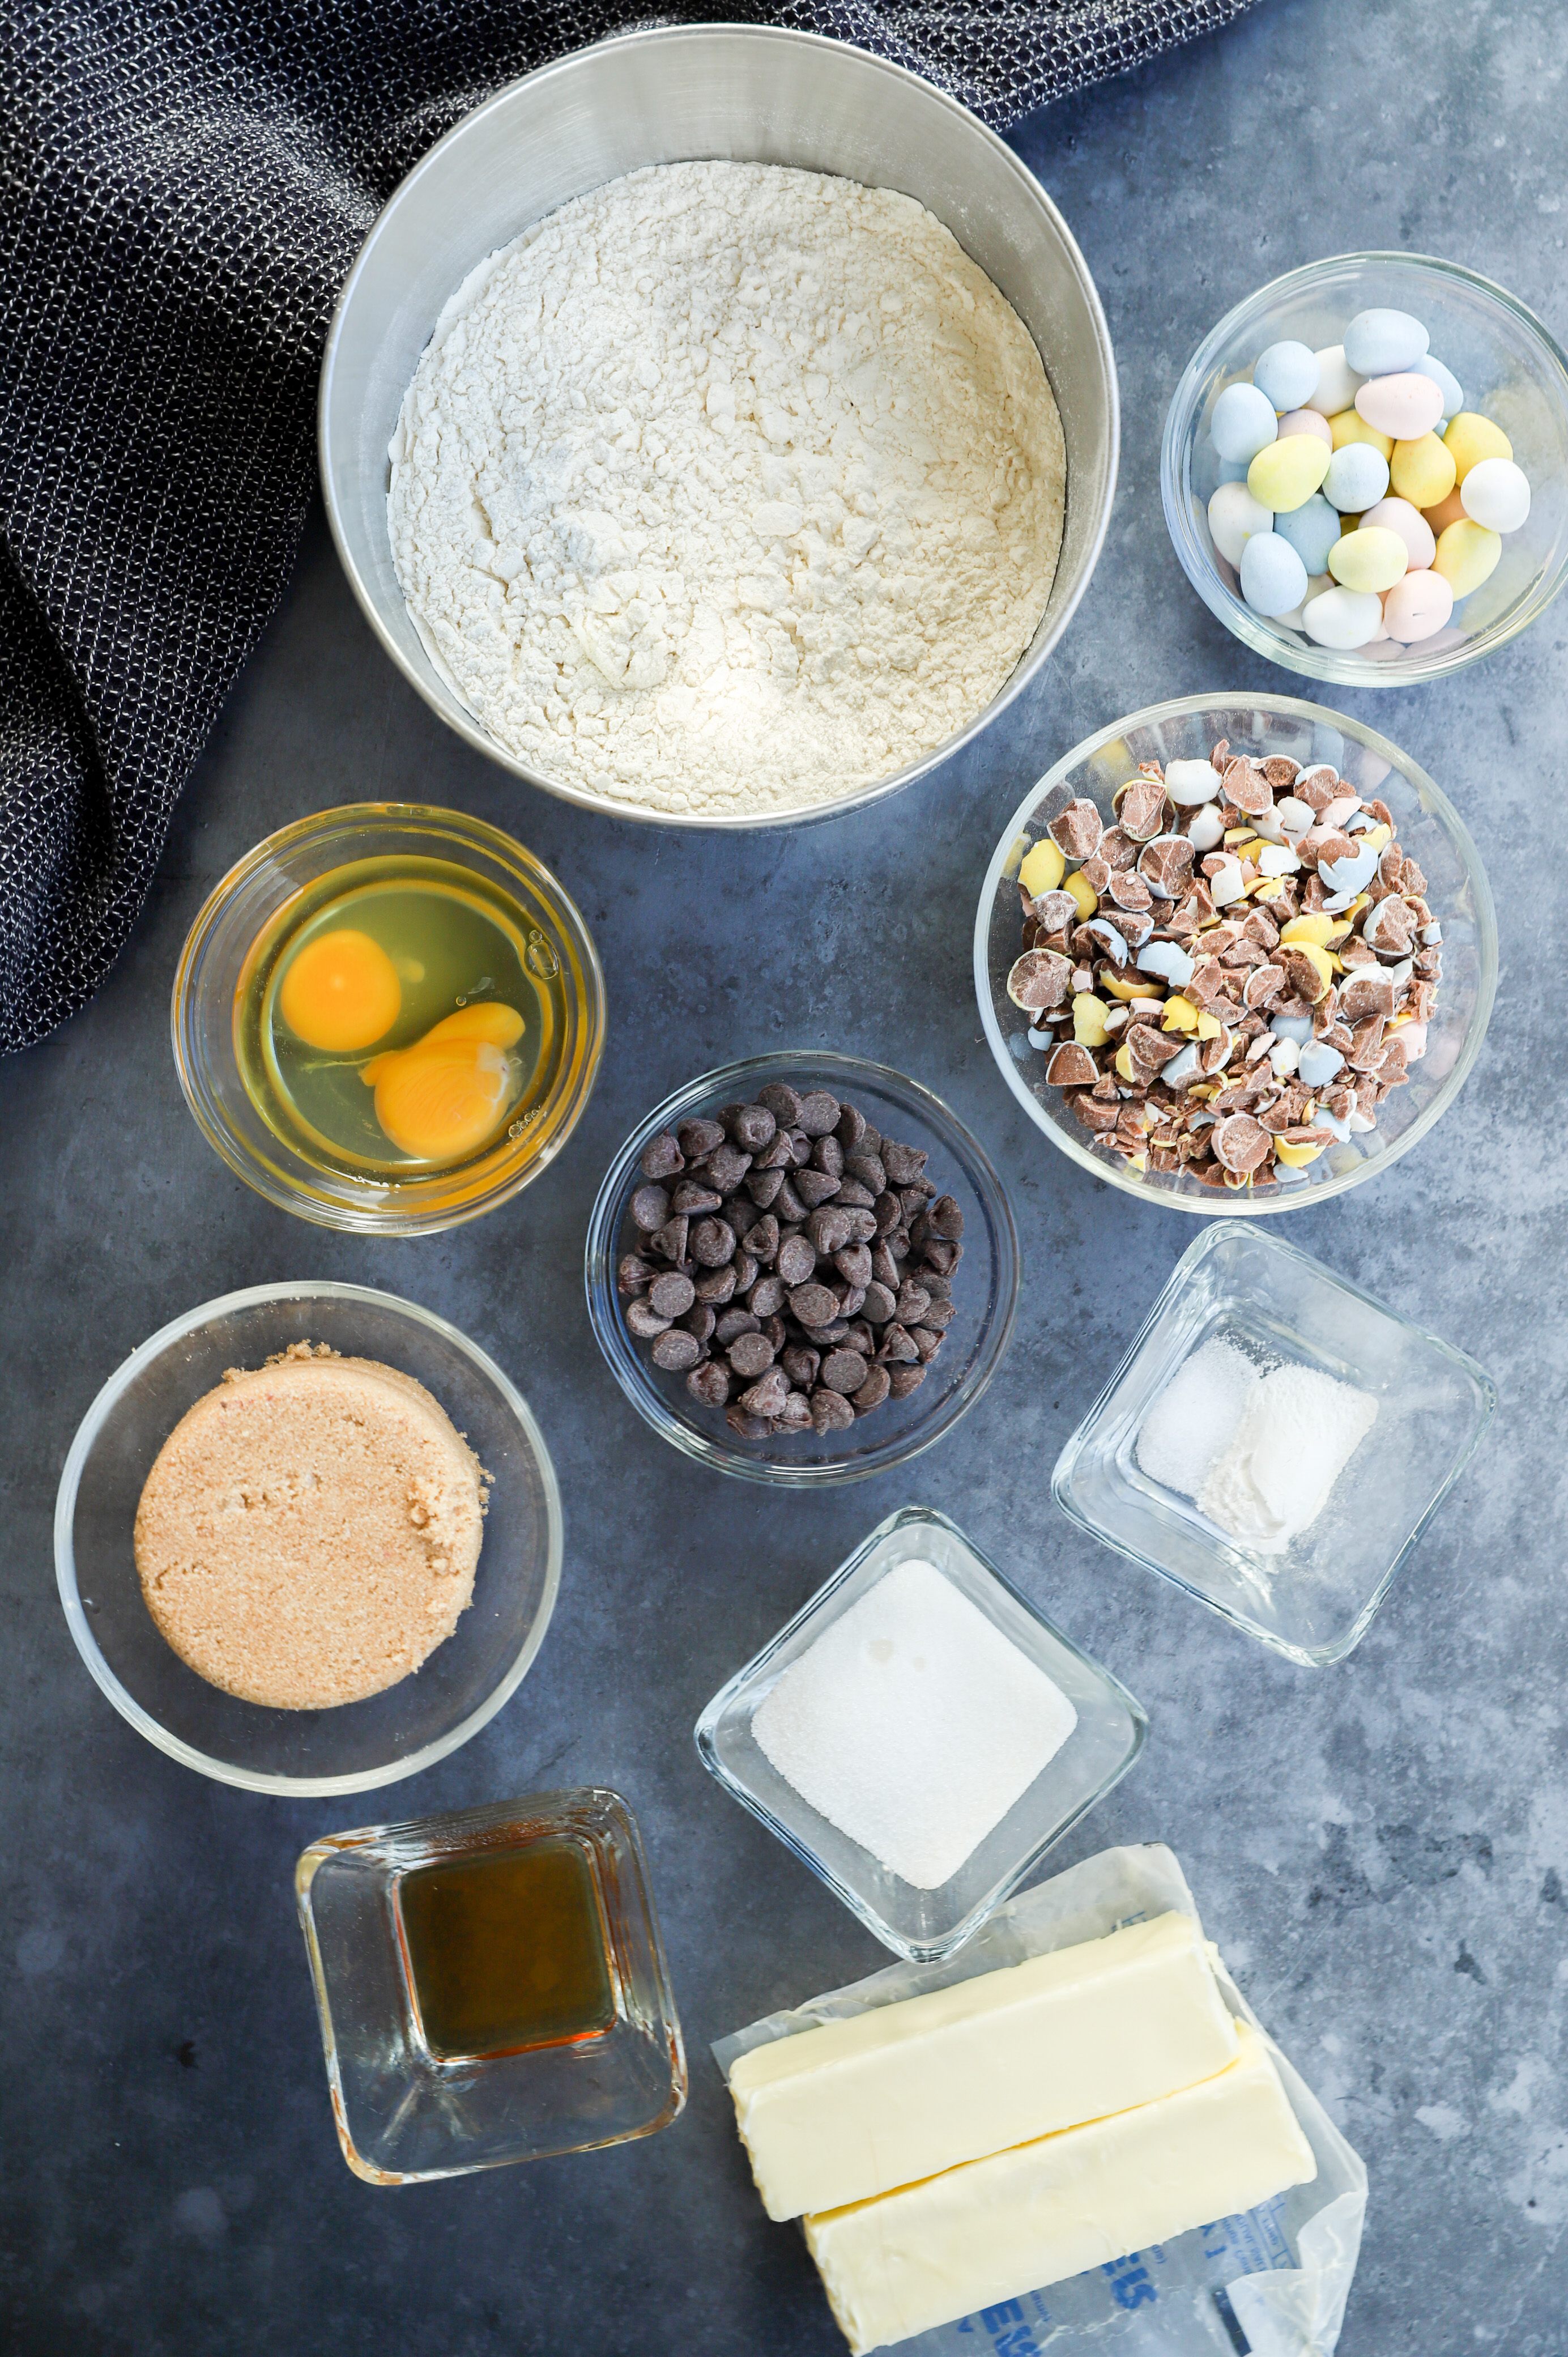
x: 1254, y: 1066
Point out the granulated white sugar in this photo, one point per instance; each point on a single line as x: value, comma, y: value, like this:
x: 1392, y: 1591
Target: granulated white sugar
x: 1298, y: 1430
x: 913, y: 1725
x: 1195, y: 1416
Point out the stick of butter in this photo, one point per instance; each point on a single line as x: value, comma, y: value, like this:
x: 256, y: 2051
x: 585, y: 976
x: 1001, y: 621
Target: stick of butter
x: 997, y: 2228
x: 853, y: 2108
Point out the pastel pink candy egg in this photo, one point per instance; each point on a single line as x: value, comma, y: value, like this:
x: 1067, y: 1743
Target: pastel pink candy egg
x: 1398, y: 515
x: 1405, y: 406
x: 1306, y: 421
x: 1417, y: 606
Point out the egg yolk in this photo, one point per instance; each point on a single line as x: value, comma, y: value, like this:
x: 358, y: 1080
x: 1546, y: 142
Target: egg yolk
x: 340, y: 993
x: 444, y: 1096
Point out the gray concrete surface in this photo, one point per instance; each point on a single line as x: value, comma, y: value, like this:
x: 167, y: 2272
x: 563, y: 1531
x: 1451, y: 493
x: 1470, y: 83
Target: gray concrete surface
x: 1382, y: 1848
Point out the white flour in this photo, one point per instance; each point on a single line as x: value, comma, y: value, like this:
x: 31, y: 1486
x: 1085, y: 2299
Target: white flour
x: 727, y: 489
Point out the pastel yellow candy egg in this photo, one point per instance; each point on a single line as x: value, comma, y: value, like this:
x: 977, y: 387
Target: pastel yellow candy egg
x: 1421, y: 471
x: 1373, y: 559
x: 1042, y: 868
x: 1349, y: 427
x: 1285, y: 474
x: 1084, y: 898
x: 1314, y: 927
x: 1296, y: 1157
x: 1471, y: 438
x: 1180, y: 1014
x: 1467, y: 555
x: 1088, y: 1015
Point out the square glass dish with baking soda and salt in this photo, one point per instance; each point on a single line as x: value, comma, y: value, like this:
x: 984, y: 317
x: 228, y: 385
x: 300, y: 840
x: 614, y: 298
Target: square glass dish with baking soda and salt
x: 1276, y: 1442
x: 920, y: 1734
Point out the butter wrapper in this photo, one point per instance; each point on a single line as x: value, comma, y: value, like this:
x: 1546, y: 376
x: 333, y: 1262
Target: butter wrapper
x: 1270, y: 2283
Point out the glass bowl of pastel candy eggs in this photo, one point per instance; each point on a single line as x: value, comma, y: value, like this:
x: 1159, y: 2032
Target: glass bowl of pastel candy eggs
x: 1418, y: 502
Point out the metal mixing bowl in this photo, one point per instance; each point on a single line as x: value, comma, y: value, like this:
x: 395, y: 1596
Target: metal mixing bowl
x: 680, y: 94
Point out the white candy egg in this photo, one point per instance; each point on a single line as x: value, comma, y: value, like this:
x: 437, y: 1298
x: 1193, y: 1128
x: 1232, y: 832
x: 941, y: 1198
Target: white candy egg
x: 1187, y: 782
x: 1343, y: 618
x: 1496, y: 494
x: 1234, y: 515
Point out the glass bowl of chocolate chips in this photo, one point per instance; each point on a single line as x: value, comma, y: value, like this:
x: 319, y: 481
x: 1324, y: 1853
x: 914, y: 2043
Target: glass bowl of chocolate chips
x: 801, y: 1269
x: 1235, y: 955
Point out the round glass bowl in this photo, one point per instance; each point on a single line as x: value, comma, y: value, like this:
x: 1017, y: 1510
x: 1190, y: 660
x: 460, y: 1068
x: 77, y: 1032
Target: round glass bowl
x: 1431, y: 832
x: 986, y: 1282
x: 1510, y: 368
x: 210, y: 989
x: 359, y: 1745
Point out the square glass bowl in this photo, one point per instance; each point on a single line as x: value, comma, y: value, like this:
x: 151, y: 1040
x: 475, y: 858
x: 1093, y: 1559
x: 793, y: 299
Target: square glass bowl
x: 926, y: 1925
x: 1315, y: 1601
x: 404, y: 2112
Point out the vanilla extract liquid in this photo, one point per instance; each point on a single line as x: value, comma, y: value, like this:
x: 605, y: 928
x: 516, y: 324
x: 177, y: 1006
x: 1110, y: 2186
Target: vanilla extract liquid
x: 507, y: 1950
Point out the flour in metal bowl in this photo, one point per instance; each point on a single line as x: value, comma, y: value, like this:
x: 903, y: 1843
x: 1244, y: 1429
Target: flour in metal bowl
x: 727, y: 489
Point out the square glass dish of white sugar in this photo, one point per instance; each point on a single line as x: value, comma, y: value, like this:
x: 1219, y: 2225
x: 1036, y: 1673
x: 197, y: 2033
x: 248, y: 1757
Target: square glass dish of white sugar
x: 920, y: 1734
x: 1276, y: 1442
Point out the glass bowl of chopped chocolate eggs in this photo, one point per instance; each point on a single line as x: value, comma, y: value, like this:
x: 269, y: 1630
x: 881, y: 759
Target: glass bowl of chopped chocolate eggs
x: 1235, y: 955
x: 801, y: 1269
x: 1365, y: 469
x: 308, y: 1539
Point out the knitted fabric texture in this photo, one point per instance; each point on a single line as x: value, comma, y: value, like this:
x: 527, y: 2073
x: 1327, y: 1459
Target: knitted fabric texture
x: 186, y: 187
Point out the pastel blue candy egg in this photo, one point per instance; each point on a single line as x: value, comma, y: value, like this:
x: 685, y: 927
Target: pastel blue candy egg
x: 1447, y: 383
x: 1318, y: 1064
x: 1384, y: 343
x: 1312, y: 531
x: 1273, y: 578
x: 1233, y: 470
x: 1287, y: 373
x: 1243, y: 421
x: 1356, y: 480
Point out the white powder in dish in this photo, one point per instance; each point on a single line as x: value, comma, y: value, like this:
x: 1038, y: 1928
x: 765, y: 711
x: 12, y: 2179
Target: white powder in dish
x: 1298, y: 1430
x: 727, y: 488
x: 1194, y: 1415
x: 913, y: 1725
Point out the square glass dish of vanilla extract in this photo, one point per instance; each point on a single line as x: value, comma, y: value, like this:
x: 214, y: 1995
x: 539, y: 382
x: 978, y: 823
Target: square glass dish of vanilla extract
x: 1276, y: 1442
x: 491, y: 1987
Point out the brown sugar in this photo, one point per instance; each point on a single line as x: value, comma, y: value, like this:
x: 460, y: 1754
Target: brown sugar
x: 309, y: 1531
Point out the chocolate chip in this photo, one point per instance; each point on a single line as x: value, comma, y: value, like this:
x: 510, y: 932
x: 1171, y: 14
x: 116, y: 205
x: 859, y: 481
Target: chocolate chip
x: 878, y: 1304
x: 852, y: 1301
x: 943, y: 1256
x: 661, y: 1156
x: 800, y: 1362
x: 753, y: 1127
x: 913, y: 1303
x: 885, y: 1269
x: 902, y: 1381
x: 851, y: 1192
x: 748, y: 1426
x: 854, y: 1264
x: 676, y: 1350
x: 670, y: 1240
x: 889, y: 1211
x: 768, y: 1395
x: 692, y: 1198
x: 797, y: 1260
x: 851, y: 1127
x: 709, y: 1384
x: 814, y: 1186
x: 788, y: 1204
x: 862, y: 1224
x: 763, y: 1187
x: 827, y: 1155
x: 781, y: 1102
x: 700, y: 1320
x: 897, y: 1346
x: 649, y: 1209
x: 870, y: 1171
x: 735, y: 1322
x: 939, y: 1315
x: 819, y: 1112
x: 873, y: 1391
x: 766, y: 1296
x: 727, y: 1167
x: 632, y: 1275
x: 903, y: 1164
x: 750, y: 1355
x: 713, y: 1242
x: 717, y: 1285
x: 795, y: 1416
x: 831, y: 1412
x: 944, y: 1218
x: 828, y: 1337
x: 699, y: 1137
x: 643, y: 1322
x: 926, y: 1341
x: 745, y: 1272
x: 813, y: 1305
x: 844, y: 1371
x: 762, y: 1241
x: 829, y: 1229
x: 779, y: 1156
x: 672, y: 1295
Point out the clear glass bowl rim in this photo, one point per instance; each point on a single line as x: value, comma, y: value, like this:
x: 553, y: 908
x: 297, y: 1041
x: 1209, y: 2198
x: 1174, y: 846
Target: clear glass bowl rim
x: 1254, y: 631
x: 1289, y: 1198
x: 602, y: 1249
x: 917, y: 1952
x: 1307, y: 1657
x: 345, y: 818
x: 364, y: 1779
